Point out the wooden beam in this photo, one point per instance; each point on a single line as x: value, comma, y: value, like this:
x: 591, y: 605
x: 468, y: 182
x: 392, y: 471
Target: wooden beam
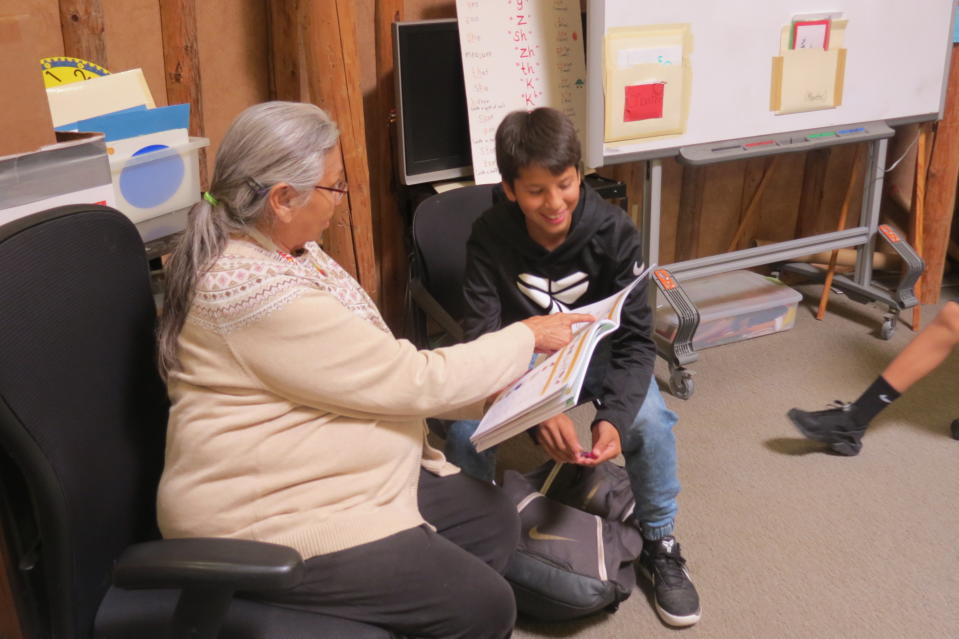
x: 916, y: 230
x: 81, y: 22
x: 181, y: 62
x: 941, y: 188
x: 390, y: 225
x: 285, y: 49
x: 333, y: 73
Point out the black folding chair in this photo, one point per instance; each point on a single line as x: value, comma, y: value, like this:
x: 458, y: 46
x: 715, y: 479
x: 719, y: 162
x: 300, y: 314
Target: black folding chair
x: 441, y: 227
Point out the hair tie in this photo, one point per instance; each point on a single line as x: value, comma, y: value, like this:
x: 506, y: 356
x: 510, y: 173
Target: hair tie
x: 209, y: 198
x: 255, y: 184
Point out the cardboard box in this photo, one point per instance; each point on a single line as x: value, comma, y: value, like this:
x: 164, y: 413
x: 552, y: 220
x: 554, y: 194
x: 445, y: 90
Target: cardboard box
x: 74, y: 171
x: 27, y: 124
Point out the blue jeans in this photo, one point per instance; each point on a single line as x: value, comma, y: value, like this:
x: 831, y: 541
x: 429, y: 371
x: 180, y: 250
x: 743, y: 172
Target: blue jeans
x: 649, y: 448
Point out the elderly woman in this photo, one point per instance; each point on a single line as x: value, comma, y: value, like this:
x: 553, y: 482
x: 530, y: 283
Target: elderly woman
x: 297, y: 418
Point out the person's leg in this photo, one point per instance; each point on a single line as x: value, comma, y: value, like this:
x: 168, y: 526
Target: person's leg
x: 926, y: 351
x: 475, y: 515
x: 649, y: 447
x: 460, y: 451
x: 842, y: 427
x: 415, y: 583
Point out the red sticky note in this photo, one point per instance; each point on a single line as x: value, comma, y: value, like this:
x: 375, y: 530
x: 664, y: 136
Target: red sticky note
x: 644, y: 102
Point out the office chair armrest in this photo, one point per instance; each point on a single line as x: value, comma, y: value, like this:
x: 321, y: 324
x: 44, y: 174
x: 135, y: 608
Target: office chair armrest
x: 435, y: 311
x: 233, y: 564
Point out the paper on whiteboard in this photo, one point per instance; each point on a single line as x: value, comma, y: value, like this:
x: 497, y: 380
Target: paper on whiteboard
x: 519, y: 55
x: 654, y: 55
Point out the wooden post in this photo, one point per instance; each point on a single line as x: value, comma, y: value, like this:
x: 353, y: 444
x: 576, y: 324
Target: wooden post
x: 916, y: 230
x: 181, y: 62
x: 285, y: 47
x: 332, y: 68
x: 941, y: 188
x: 843, y: 213
x: 81, y: 22
x: 389, y: 221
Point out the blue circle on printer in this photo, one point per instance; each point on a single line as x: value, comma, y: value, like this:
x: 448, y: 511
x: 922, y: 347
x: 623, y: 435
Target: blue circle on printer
x: 152, y: 183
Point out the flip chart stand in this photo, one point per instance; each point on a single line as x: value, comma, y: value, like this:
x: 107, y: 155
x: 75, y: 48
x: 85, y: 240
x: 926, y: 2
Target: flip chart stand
x: 860, y: 287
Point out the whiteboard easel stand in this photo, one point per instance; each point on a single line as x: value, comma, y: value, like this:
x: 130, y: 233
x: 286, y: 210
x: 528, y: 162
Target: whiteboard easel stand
x: 859, y: 288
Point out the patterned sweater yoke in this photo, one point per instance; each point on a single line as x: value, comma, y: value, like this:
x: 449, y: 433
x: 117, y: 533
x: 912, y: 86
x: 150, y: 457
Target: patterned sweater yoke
x: 249, y: 282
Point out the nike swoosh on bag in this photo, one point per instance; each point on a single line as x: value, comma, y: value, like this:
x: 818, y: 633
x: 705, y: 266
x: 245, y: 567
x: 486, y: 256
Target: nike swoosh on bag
x: 534, y: 533
x: 637, y: 269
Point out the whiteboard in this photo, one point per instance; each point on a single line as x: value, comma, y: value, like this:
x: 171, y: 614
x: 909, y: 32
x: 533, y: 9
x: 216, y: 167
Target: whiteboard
x: 896, y: 68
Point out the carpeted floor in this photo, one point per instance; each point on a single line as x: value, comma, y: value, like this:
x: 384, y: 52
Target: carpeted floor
x: 787, y: 541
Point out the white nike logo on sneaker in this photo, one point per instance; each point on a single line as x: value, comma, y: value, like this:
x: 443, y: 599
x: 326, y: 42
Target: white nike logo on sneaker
x: 884, y: 398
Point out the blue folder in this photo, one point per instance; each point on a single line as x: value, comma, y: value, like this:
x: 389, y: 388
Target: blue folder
x: 130, y: 123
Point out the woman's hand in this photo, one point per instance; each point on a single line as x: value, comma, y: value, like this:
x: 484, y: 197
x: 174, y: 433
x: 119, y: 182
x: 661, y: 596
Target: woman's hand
x: 553, y: 332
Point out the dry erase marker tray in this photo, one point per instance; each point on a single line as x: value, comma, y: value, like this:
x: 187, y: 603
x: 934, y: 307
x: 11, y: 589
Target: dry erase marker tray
x: 805, y: 140
x: 158, y: 181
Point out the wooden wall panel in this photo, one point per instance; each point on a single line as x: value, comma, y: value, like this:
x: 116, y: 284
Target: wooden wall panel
x: 389, y: 221
x: 232, y: 39
x: 725, y: 201
x: 133, y: 40
x: 329, y: 39
x: 941, y: 188
x: 429, y: 9
x: 81, y: 23
x: 286, y: 51
x: 780, y: 202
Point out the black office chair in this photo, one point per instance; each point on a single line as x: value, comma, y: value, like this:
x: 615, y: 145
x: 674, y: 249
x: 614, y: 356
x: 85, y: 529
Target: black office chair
x: 441, y: 227
x: 82, y: 420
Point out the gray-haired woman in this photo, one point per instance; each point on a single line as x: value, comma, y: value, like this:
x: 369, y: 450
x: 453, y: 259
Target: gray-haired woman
x: 297, y: 418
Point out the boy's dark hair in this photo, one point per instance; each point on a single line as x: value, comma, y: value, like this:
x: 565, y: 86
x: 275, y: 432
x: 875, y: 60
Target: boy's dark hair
x: 542, y: 137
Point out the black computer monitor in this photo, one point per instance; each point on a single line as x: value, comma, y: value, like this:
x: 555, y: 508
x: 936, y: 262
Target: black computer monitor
x: 433, y: 138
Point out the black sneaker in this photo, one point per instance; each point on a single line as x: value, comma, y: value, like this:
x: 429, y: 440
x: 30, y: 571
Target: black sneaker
x: 677, y: 601
x: 836, y: 426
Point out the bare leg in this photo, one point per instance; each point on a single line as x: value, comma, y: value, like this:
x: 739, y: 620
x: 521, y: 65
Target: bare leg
x: 926, y: 351
x: 842, y: 427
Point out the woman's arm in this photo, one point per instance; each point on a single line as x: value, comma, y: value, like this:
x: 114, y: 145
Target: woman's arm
x: 315, y: 352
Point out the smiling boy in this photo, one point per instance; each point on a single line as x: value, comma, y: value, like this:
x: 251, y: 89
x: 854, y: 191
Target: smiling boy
x: 549, y: 245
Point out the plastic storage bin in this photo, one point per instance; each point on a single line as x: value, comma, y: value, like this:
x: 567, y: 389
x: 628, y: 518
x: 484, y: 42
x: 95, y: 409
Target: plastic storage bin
x: 732, y: 307
x: 158, y: 181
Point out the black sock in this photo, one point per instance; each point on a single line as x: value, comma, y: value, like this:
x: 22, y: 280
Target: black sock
x: 876, y: 397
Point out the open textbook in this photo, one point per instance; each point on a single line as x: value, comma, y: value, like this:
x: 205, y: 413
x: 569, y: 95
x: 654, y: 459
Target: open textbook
x: 553, y: 385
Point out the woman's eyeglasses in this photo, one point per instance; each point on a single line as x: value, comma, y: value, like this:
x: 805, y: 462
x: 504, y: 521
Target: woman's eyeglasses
x: 339, y: 189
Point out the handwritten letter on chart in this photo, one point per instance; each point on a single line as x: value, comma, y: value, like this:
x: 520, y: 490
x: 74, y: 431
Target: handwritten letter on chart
x: 519, y: 54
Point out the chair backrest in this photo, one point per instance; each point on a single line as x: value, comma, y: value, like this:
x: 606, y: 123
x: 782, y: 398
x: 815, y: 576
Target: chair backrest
x: 441, y: 227
x: 82, y: 407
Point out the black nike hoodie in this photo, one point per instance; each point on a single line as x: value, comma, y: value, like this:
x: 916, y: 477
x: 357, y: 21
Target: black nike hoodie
x: 601, y: 254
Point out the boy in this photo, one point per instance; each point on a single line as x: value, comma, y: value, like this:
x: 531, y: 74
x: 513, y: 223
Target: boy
x: 550, y: 245
x: 843, y: 427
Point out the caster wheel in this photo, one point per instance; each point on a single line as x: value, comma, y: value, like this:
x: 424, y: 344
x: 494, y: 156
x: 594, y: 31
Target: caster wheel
x: 681, y: 383
x: 955, y: 429
x: 888, y: 328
